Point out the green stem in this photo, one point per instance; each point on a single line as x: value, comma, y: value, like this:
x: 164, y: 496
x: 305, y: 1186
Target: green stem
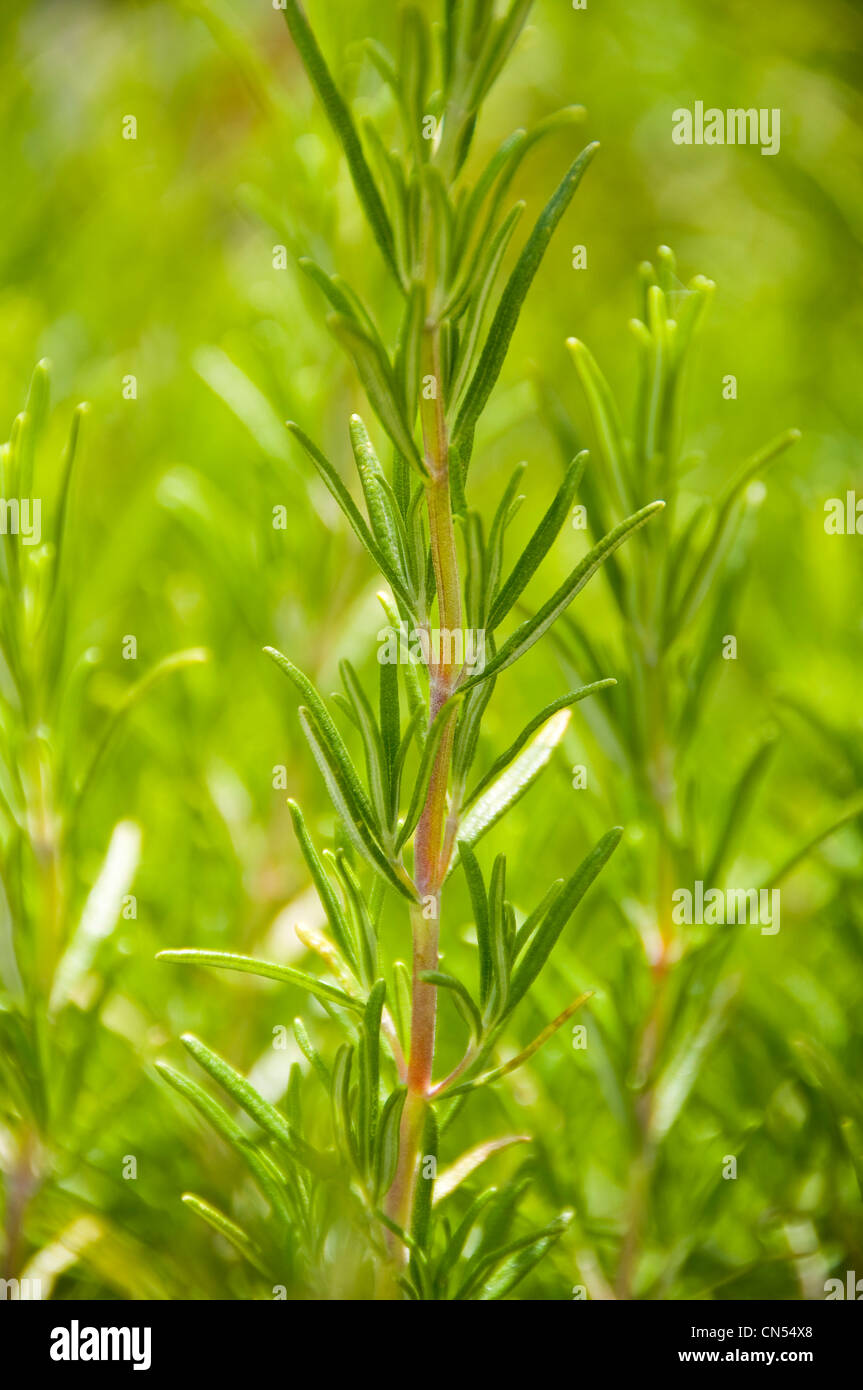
x: 430, y: 857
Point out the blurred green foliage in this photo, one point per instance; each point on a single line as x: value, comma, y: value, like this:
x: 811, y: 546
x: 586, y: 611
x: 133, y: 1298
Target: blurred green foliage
x: 153, y: 257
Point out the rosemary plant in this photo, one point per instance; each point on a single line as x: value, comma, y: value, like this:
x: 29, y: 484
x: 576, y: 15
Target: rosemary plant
x: 420, y: 809
x: 56, y: 927
x: 677, y: 592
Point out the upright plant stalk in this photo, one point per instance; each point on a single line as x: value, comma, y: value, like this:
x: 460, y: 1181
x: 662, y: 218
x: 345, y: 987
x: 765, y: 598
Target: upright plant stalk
x: 47, y: 768
x: 443, y: 236
x: 430, y: 850
x: 678, y: 593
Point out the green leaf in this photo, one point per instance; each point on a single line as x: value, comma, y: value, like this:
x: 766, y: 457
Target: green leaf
x: 512, y: 784
x: 738, y: 810
x: 531, y: 922
x: 539, y: 544
x: 606, y: 421
x: 265, y: 1115
x: 562, y: 702
x: 343, y: 498
x: 329, y: 736
x: 351, y: 813
x: 384, y: 515
x: 429, y: 749
x: 500, y: 958
x: 506, y: 510
x: 341, y: 1104
x: 401, y: 1000
x: 230, y: 1131
x: 707, y: 562
x: 530, y: 1248
x: 468, y: 729
x: 674, y: 1086
x: 372, y: 744
x: 363, y: 926
x: 496, y: 52
x: 479, y: 902
x: 268, y: 970
x: 515, y: 1269
x: 533, y: 628
x: 547, y: 934
x: 413, y: 687
x: 70, y: 455
x: 342, y: 122
x: 379, y: 382
x: 389, y: 714
x: 477, y: 226
x: 509, y: 308
x: 852, y: 811
x: 339, y: 295
x: 408, y: 355
x: 178, y: 661
x: 36, y: 410
x: 498, y: 171
x: 424, y: 1193
x: 311, y: 1054
x: 329, y: 901
x: 387, y: 1145
x: 481, y: 288
x: 457, y: 1243
x: 461, y: 996
x: 474, y: 1158
x: 495, y: 1075
x: 228, y: 1229
x: 369, y: 1075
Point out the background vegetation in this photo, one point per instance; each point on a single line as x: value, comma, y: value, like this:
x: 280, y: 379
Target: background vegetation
x: 154, y: 257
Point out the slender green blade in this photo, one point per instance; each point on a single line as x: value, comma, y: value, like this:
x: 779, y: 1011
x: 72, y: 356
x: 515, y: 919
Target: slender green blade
x: 562, y: 702
x: 342, y: 796
x: 533, y: 628
x: 539, y: 544
x: 348, y: 506
x: 547, y: 934
x: 230, y: 1131
x: 329, y: 901
x: 380, y: 386
x: 424, y: 1195
x: 514, y: 781
x: 461, y: 996
x: 262, y: 1112
x: 384, y: 515
x: 228, y: 1229
x: 387, y: 1145
x: 479, y: 902
x: 267, y: 970
x: 342, y: 122
x: 503, y: 325
x: 329, y: 734
x: 372, y: 745
x: 606, y: 421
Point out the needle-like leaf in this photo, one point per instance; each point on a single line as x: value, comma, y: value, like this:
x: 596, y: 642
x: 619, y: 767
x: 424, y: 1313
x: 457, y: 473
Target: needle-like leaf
x: 512, y: 783
x: 261, y: 1111
x: 342, y: 122
x: 544, y: 939
x: 267, y: 970
x: 506, y: 317
x: 562, y: 702
x: 533, y: 628
x: 539, y: 544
